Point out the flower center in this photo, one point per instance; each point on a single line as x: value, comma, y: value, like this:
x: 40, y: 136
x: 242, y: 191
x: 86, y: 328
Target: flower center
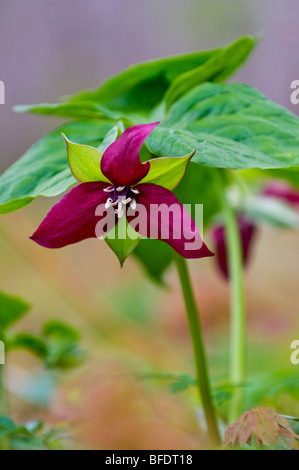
x: 119, y: 197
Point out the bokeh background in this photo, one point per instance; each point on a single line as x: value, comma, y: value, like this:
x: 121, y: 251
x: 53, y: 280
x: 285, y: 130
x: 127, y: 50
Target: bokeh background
x: 131, y: 329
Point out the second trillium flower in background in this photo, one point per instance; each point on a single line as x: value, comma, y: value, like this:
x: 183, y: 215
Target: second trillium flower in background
x: 247, y: 231
x: 276, y: 190
x: 117, y: 184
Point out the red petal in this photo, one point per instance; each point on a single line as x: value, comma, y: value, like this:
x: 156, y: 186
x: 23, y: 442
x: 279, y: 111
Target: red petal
x: 247, y: 232
x: 121, y: 162
x: 282, y: 191
x: 73, y: 218
x: 156, y: 221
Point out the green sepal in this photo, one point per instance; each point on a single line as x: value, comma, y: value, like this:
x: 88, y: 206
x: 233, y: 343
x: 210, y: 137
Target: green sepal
x: 84, y: 162
x: 122, y: 239
x: 167, y: 171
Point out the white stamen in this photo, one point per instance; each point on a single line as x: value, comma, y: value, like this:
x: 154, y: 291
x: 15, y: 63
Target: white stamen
x: 120, y: 209
x: 127, y: 200
x: 133, y: 204
x: 108, y: 203
x: 121, y: 201
x: 109, y: 189
x: 135, y: 190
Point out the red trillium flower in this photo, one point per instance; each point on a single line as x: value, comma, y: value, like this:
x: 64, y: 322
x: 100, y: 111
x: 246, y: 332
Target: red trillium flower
x: 114, y: 183
x: 282, y: 191
x: 247, y: 231
x: 277, y: 190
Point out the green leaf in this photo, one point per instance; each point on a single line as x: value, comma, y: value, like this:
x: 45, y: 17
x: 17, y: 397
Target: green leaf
x: 155, y: 257
x: 62, y: 342
x: 111, y: 136
x: 43, y: 170
x: 64, y: 355
x: 182, y: 383
x: 21, y: 437
x: 6, y: 424
x: 199, y: 186
x: 32, y: 343
x: 137, y: 90
x: 220, y: 66
x: 57, y: 346
x: 178, y: 383
x: 11, y: 309
x: 230, y: 126
x: 141, y: 87
x: 84, y: 162
x: 26, y: 443
x: 167, y: 172
x: 78, y: 110
x: 122, y: 239
x: 58, y: 329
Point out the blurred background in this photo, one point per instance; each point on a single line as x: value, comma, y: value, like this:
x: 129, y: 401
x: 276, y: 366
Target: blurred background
x: 132, y: 330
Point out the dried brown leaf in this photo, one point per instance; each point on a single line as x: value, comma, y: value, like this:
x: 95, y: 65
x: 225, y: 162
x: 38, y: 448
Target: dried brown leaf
x: 264, y: 427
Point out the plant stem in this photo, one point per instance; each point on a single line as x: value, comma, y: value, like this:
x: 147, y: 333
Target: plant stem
x: 199, y: 350
x: 238, y: 311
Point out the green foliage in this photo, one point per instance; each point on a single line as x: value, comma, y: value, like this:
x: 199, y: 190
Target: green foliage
x: 57, y: 346
x: 30, y: 342
x: 137, y: 90
x: 216, y: 69
x: 43, y: 170
x: 62, y: 342
x: 230, y: 126
x: 29, y: 436
x: 155, y: 258
x: 11, y: 309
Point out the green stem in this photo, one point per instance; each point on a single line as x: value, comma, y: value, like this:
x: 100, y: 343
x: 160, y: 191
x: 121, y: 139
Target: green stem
x: 199, y: 350
x: 238, y: 311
